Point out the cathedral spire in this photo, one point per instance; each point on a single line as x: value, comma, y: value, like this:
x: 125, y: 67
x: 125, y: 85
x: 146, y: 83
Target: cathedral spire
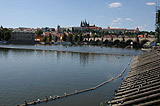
x: 85, y: 21
x: 1, y: 26
x: 81, y: 24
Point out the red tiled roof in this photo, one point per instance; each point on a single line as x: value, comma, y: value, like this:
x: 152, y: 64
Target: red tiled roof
x: 130, y: 30
x: 115, y: 28
x: 95, y: 27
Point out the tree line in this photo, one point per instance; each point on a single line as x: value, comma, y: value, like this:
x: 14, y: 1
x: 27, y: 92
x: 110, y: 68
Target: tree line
x: 5, y: 34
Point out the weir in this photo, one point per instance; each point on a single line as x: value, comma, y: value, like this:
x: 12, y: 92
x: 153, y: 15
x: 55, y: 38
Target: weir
x: 46, y: 99
x: 141, y: 87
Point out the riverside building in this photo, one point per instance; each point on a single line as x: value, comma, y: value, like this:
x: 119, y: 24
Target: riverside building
x: 120, y: 30
x: 22, y: 37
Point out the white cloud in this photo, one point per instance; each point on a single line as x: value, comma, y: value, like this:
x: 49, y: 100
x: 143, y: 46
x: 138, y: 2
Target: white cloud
x: 115, y: 25
x: 129, y: 19
x: 116, y: 4
x: 145, y: 25
x: 117, y: 20
x: 141, y: 27
x: 150, y: 3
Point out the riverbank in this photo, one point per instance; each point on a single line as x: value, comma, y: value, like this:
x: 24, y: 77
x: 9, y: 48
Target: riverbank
x: 141, y: 87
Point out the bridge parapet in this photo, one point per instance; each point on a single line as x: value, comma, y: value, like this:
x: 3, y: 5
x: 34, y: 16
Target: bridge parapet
x: 121, y: 39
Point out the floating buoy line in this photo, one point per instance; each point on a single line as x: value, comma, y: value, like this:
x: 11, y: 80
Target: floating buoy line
x: 55, y: 97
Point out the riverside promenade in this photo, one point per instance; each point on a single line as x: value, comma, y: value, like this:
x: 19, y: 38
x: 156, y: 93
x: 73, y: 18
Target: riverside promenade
x: 141, y: 87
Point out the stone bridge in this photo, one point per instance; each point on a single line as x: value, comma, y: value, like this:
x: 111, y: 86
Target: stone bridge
x: 133, y: 39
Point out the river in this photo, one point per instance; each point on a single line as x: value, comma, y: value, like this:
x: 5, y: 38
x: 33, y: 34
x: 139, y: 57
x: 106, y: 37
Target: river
x: 26, y: 74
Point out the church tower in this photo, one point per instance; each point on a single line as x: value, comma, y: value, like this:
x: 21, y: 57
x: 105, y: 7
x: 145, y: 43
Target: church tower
x: 81, y: 24
x: 84, y: 24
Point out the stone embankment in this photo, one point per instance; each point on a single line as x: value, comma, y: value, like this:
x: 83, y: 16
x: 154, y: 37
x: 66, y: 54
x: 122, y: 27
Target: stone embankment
x: 141, y: 87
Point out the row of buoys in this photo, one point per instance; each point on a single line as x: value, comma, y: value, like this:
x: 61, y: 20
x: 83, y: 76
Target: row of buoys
x: 129, y: 62
x: 38, y: 101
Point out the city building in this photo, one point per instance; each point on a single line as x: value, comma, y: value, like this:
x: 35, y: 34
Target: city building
x: 23, y: 29
x: 22, y: 37
x: 47, y: 29
x: 120, y: 30
x: 84, y: 25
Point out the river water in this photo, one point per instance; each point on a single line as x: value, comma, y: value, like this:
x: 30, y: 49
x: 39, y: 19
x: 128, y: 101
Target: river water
x: 26, y: 75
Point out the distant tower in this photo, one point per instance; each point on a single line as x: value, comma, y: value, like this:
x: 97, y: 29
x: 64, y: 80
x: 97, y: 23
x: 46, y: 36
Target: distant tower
x: 81, y: 24
x: 84, y: 23
x: 1, y: 26
x: 58, y: 28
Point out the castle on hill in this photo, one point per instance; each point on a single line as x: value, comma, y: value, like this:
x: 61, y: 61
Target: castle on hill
x: 86, y: 24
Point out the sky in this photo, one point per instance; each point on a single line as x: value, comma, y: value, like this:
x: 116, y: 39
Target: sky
x: 66, y: 13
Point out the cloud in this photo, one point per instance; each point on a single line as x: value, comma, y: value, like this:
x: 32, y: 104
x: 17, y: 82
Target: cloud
x: 116, y: 4
x: 150, y: 3
x: 115, y: 24
x: 117, y: 20
x: 129, y: 19
x: 141, y: 27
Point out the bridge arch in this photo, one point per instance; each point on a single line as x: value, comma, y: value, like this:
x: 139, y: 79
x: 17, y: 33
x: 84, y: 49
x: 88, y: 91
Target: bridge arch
x: 128, y: 42
x: 97, y: 41
x: 105, y: 41
x: 117, y: 42
x: 122, y: 43
x: 143, y: 42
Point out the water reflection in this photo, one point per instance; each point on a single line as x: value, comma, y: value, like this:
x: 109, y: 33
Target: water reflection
x: 84, y: 57
x: 4, y: 53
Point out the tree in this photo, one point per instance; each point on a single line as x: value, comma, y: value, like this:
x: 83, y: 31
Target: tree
x: 50, y: 37
x: 94, y: 36
x: 152, y: 33
x: 106, y: 33
x: 44, y: 39
x: 55, y: 38
x: 68, y: 30
x: 0, y: 34
x: 123, y: 39
x: 88, y: 36
x: 80, y: 38
x: 64, y: 37
x: 70, y: 37
x: 111, y: 38
x: 75, y: 38
x: 7, y: 35
x: 39, y: 32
